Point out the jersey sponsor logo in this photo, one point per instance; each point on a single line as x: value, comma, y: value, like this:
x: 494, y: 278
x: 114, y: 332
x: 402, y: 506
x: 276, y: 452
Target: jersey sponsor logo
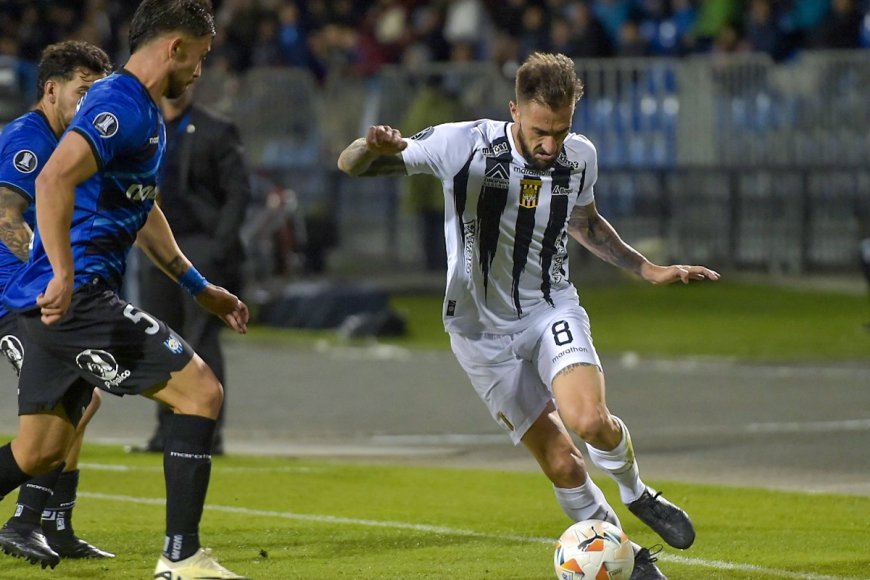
x: 106, y: 124
x: 530, y: 190
x: 561, y: 190
x: 25, y: 161
x: 562, y: 159
x: 102, y: 365
x: 532, y: 172
x: 496, y: 177
x: 12, y: 348
x: 469, y: 230
x: 174, y: 345
x: 139, y: 192
x: 425, y: 133
x: 496, y: 150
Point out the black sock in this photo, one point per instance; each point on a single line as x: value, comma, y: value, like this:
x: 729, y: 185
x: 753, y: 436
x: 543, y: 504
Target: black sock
x: 186, y: 467
x: 57, y: 515
x: 11, y: 475
x: 32, y: 499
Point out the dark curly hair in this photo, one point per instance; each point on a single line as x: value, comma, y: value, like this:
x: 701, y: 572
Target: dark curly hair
x: 60, y: 61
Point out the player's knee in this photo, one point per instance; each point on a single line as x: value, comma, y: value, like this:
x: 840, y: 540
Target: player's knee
x: 589, y: 424
x: 96, y: 401
x: 39, y: 459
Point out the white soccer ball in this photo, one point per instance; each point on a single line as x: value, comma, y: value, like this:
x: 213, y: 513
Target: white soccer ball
x: 593, y: 550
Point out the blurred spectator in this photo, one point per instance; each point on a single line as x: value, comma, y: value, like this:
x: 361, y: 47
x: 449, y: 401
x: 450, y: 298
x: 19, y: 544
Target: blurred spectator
x: 631, y: 43
x: 716, y: 25
x: 534, y: 35
x: 762, y: 33
x: 589, y: 38
x: 842, y: 27
x: 435, y: 103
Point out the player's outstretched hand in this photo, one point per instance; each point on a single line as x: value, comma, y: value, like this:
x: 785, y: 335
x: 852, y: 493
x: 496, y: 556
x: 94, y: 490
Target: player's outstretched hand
x: 226, y: 306
x: 677, y: 273
x: 54, y: 302
x: 384, y: 140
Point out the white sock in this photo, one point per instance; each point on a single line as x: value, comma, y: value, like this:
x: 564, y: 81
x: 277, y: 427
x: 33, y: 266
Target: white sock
x: 585, y: 502
x: 620, y: 463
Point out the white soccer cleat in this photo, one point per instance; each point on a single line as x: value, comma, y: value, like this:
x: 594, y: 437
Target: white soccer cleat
x: 200, y: 566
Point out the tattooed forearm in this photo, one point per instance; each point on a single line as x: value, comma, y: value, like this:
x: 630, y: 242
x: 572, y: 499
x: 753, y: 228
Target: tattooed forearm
x: 14, y: 231
x: 598, y: 236
x: 358, y: 160
x: 177, y: 266
x: 571, y: 367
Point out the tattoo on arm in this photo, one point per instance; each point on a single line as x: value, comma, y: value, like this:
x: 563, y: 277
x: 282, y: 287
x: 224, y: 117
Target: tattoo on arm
x: 571, y: 367
x: 598, y: 236
x: 14, y: 231
x: 177, y: 266
x: 386, y: 165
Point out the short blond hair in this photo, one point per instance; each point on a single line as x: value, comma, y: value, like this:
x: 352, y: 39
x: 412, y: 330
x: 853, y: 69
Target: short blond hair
x: 549, y: 79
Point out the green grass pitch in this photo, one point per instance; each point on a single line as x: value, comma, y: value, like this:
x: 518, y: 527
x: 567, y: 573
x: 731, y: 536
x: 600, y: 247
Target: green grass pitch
x: 280, y: 519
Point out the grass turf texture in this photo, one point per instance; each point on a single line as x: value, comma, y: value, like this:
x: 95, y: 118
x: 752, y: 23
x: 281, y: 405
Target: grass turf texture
x: 723, y: 319
x: 281, y: 519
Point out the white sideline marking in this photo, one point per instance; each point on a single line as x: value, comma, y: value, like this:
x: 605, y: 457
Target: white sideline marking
x: 326, y: 519
x: 221, y: 469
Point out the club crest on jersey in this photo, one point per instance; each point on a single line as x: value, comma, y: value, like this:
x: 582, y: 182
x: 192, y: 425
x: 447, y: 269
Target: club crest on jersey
x: 102, y: 365
x: 25, y: 161
x: 106, y: 124
x: 174, y: 345
x: 530, y: 189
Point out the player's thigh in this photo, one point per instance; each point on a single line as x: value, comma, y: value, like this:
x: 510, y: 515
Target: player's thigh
x: 508, y: 385
x: 43, y: 440
x: 194, y: 390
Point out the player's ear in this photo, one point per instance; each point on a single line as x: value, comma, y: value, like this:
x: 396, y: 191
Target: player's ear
x: 175, y: 47
x: 515, y: 111
x: 50, y: 90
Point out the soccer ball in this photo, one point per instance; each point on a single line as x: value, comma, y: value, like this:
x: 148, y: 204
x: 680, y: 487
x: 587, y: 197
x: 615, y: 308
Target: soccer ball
x: 593, y: 550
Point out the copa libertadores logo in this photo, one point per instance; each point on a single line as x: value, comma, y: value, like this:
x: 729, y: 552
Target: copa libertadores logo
x: 25, y: 161
x: 106, y: 124
x: 102, y: 365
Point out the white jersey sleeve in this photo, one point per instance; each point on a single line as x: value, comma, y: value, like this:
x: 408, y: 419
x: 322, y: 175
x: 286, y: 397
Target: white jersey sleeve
x: 441, y: 150
x: 590, y: 176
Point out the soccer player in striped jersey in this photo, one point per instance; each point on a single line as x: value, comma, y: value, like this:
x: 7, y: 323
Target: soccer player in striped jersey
x: 515, y: 192
x: 41, y: 528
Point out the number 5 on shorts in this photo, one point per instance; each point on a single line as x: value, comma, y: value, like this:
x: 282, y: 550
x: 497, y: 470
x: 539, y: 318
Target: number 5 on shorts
x: 136, y: 315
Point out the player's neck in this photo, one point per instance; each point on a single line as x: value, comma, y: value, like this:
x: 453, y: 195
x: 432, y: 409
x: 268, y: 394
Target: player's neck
x: 149, y: 71
x: 51, y: 116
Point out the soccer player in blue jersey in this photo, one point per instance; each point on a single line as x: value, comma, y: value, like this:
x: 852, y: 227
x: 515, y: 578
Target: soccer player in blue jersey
x: 95, y: 198
x: 66, y: 71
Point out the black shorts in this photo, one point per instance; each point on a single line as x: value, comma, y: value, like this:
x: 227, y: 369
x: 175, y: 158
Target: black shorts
x: 102, y: 341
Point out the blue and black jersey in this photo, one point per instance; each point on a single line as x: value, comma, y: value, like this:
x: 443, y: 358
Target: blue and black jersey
x: 124, y: 127
x: 25, y: 145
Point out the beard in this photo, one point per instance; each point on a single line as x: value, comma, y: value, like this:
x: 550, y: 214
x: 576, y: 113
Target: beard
x: 529, y: 155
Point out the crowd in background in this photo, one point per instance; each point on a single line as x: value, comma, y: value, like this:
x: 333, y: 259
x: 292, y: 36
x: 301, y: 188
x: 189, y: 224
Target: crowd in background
x: 359, y: 36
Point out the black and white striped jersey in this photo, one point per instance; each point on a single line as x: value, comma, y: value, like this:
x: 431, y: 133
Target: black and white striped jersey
x: 505, y: 222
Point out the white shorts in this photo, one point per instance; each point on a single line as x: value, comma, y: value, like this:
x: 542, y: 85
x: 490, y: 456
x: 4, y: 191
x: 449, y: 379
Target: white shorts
x: 513, y: 373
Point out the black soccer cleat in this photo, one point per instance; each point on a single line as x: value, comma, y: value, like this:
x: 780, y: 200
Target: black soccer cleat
x: 28, y: 545
x: 645, y: 564
x: 666, y: 519
x: 72, y: 547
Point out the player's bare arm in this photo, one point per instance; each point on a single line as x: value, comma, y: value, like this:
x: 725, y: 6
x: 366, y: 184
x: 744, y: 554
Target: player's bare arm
x: 71, y: 163
x: 375, y: 154
x: 14, y: 231
x: 155, y: 239
x: 596, y: 234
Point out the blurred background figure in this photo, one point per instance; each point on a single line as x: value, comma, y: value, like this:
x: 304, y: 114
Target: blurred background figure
x: 436, y: 102
x: 204, y: 193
